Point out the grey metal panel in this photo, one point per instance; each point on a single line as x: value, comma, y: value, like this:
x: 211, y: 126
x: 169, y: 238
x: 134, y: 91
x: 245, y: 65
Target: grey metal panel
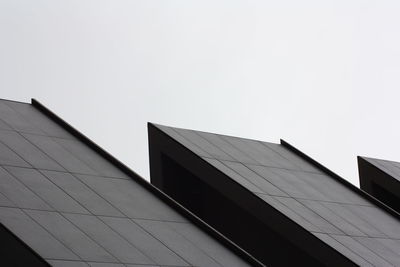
x: 59, y: 154
x: 146, y: 243
x: 345, y: 211
x: 392, y: 244
x: 362, y: 251
x: 289, y: 213
x: 33, y: 235
x: 228, y: 148
x: 254, y: 154
x: 287, y: 182
x: 375, y: 245
x: 4, y: 201
x: 397, y: 165
x: 109, y: 239
x: 205, y: 145
x: 131, y: 198
x: 91, y: 158
x: 326, y: 186
x: 82, y: 193
x: 255, y: 179
x: 47, y: 190
x: 332, y: 217
x: 342, y: 249
x: 296, y: 160
x: 61, y: 263
x: 28, y: 151
x: 74, y: 238
x: 233, y: 175
x: 309, y: 215
x: 4, y: 126
x: 19, y: 194
x: 39, y: 120
x: 9, y: 157
x: 204, y: 242
x: 305, y: 184
x: 379, y: 218
x: 15, y: 120
x: 183, y: 141
x: 260, y: 153
x: 177, y: 243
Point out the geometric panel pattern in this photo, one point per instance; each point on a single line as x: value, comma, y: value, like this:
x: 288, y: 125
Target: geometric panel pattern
x: 75, y: 208
x: 344, y: 219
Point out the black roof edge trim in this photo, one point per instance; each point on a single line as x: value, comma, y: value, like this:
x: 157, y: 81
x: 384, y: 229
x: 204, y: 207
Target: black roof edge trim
x: 23, y: 244
x: 125, y: 169
x: 158, y: 193
x: 340, y: 179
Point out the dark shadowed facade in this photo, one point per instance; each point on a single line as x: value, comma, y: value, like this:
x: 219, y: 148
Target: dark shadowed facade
x: 381, y: 179
x: 213, y: 200
x: 281, y: 206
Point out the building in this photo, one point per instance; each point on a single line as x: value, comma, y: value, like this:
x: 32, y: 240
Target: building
x: 66, y: 202
x: 381, y: 179
x: 213, y: 200
x: 283, y: 207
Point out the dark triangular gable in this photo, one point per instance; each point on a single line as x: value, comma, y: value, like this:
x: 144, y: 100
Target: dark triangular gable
x: 381, y: 179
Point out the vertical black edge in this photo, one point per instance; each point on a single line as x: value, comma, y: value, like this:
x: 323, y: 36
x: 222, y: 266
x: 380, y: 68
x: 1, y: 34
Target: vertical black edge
x: 341, y: 180
x: 365, y: 182
x: 154, y: 190
x: 373, y: 177
x: 16, y: 252
x: 297, y: 233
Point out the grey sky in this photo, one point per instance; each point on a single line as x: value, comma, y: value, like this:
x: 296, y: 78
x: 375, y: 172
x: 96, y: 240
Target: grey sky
x: 323, y: 75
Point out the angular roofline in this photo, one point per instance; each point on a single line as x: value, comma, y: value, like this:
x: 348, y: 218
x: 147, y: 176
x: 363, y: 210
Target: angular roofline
x: 371, y: 175
x: 283, y: 225
x: 341, y: 179
x: 321, y: 167
x: 148, y: 186
x: 367, y: 159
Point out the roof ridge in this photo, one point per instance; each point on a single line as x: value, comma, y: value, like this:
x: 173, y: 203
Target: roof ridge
x: 340, y: 179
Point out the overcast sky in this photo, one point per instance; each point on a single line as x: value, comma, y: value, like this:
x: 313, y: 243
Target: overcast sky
x: 322, y: 75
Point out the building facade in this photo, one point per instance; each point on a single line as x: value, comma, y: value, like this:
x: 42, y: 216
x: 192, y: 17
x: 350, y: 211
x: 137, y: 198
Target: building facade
x: 213, y: 200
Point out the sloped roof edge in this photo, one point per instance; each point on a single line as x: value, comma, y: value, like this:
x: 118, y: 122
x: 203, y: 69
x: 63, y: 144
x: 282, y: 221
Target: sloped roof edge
x: 148, y: 186
x: 341, y: 179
